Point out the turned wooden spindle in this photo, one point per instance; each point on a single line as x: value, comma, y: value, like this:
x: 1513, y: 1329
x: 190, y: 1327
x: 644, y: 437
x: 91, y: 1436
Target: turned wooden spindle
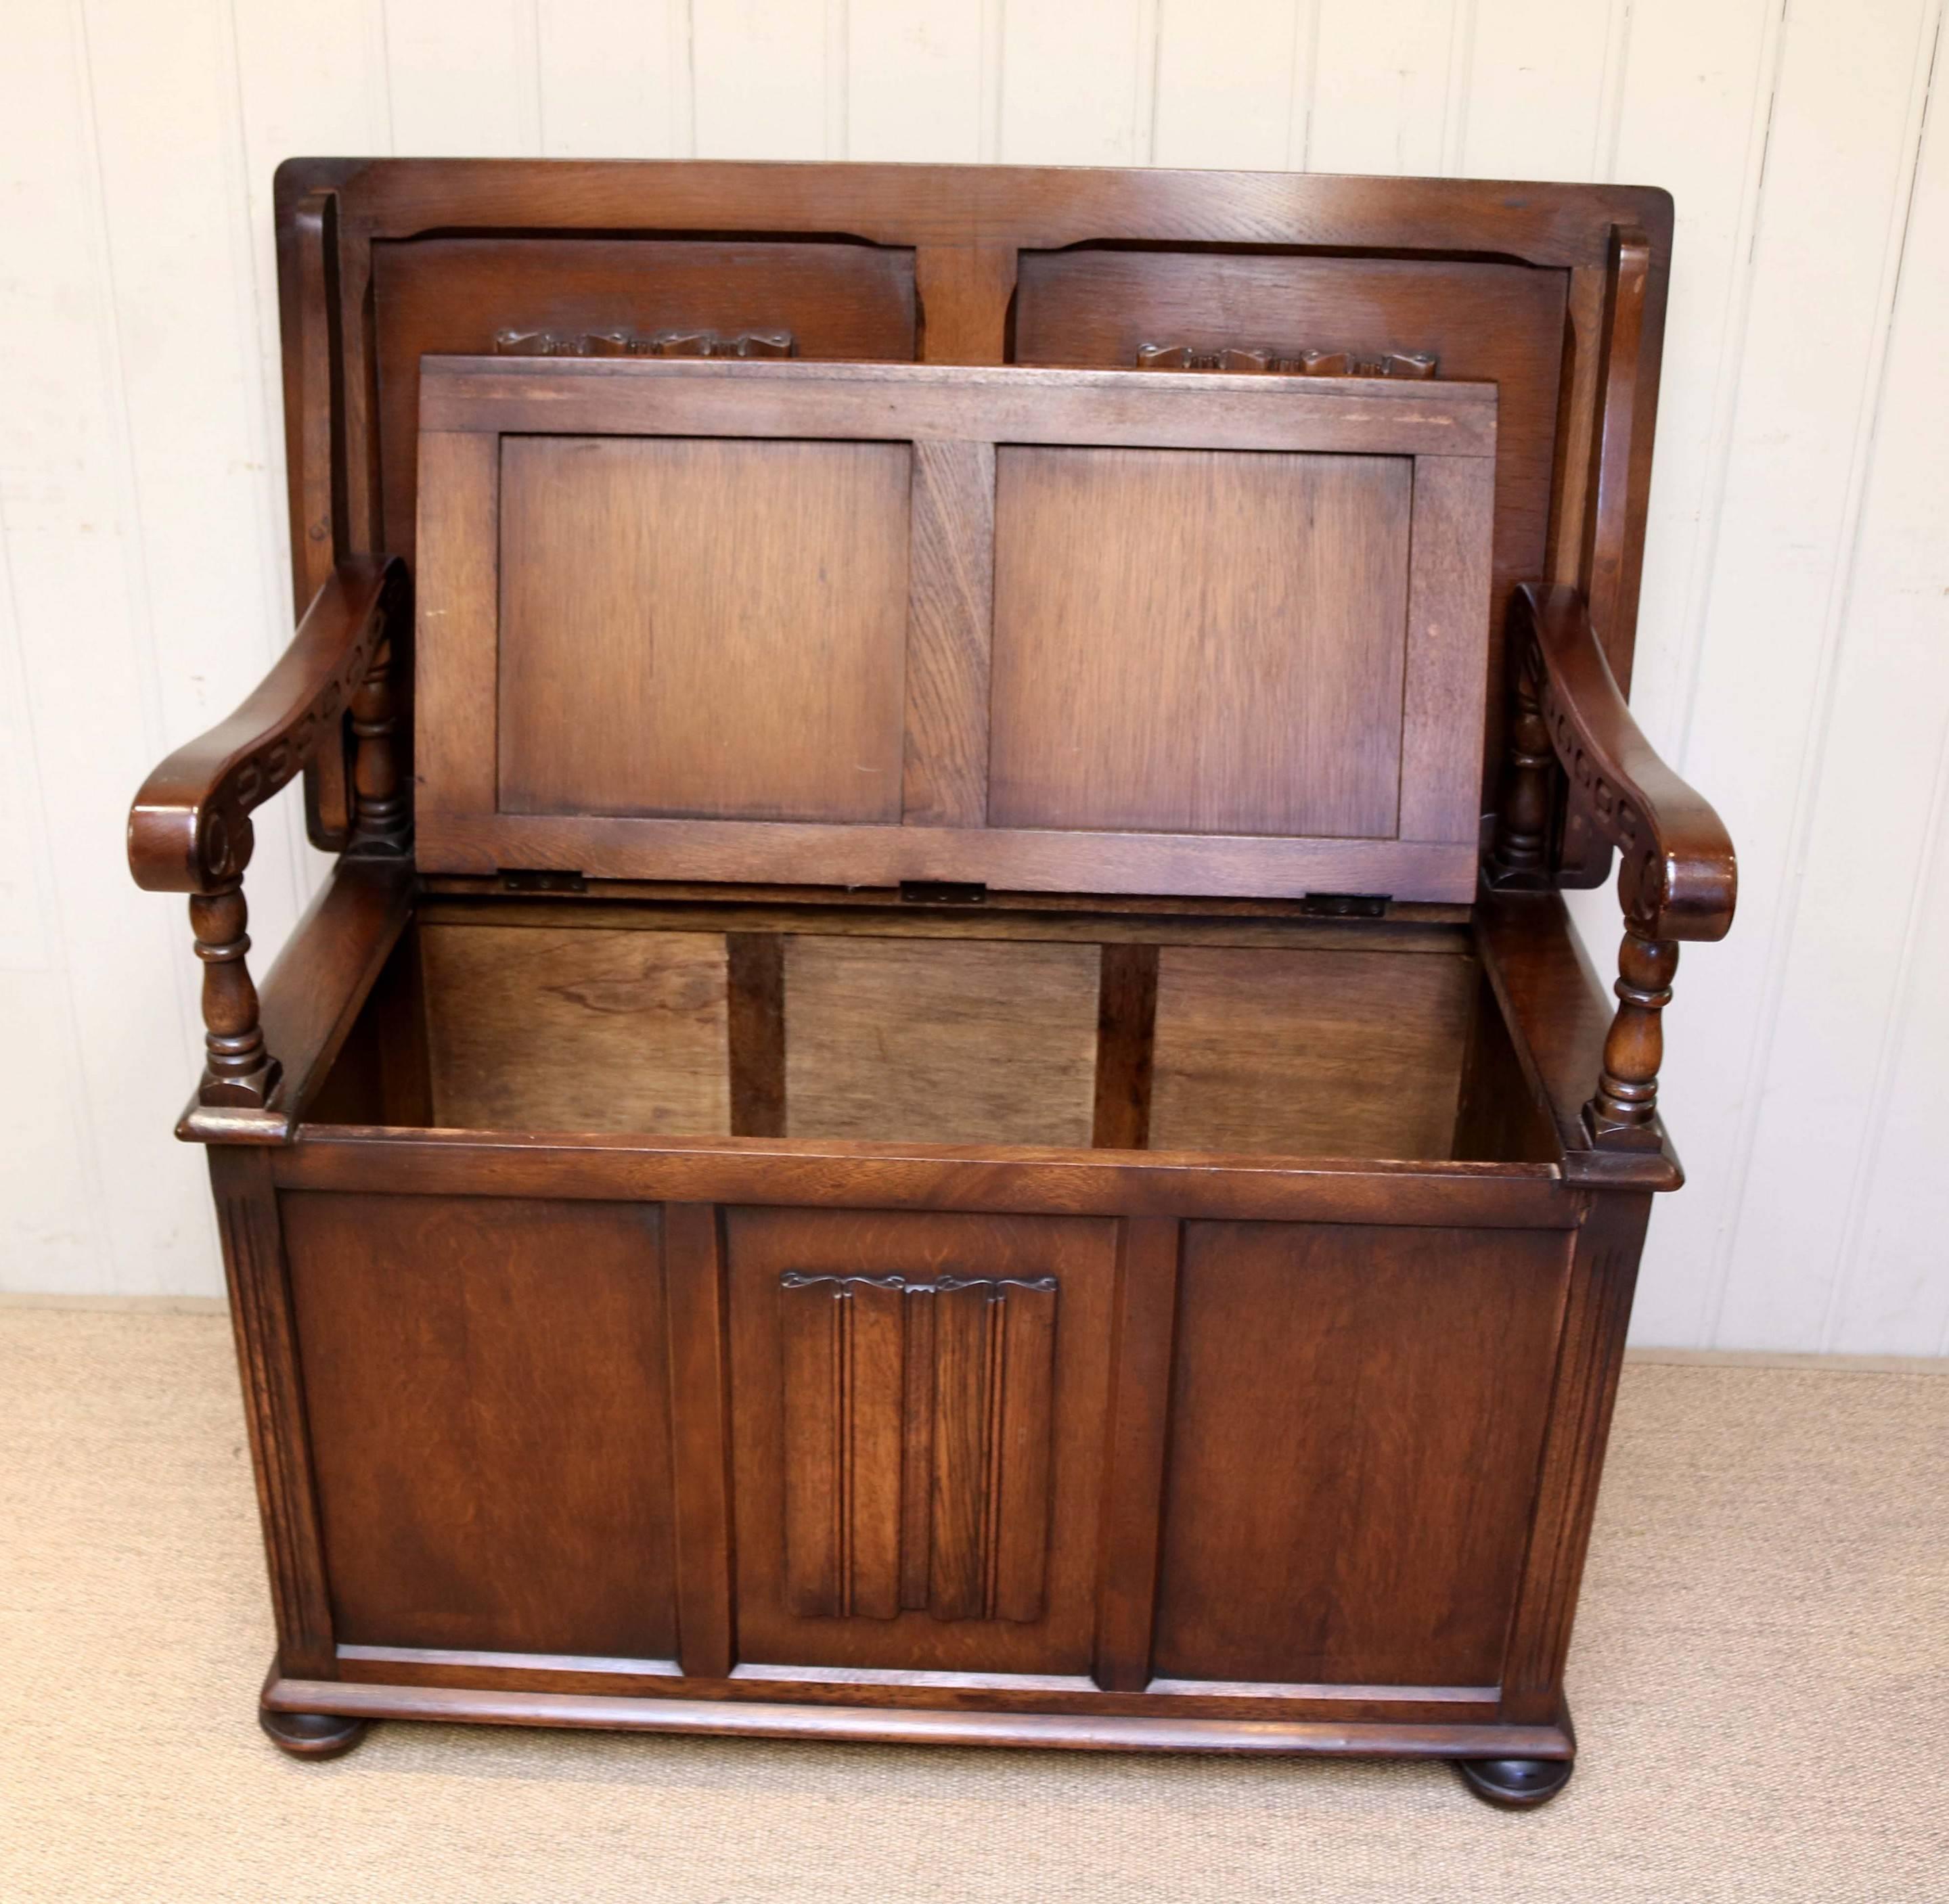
x: 381, y: 823
x: 237, y: 1068
x: 1623, y: 1114
x: 1517, y: 859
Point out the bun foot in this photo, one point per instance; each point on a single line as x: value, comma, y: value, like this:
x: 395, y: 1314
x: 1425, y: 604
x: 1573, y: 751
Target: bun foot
x: 312, y: 1735
x: 1516, y: 1784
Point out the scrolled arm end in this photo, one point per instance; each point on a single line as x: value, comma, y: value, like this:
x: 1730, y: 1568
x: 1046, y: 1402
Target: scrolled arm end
x: 190, y: 829
x: 1678, y: 876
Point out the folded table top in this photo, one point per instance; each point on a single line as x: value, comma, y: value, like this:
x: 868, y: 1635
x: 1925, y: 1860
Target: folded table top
x: 856, y: 624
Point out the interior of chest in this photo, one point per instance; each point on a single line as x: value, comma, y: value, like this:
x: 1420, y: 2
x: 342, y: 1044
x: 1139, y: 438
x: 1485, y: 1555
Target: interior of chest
x: 1254, y: 1031
x: 780, y: 669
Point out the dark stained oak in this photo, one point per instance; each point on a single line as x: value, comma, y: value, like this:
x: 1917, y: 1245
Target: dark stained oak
x: 1514, y: 1784
x: 942, y: 1094
x: 1393, y: 1386
x: 426, y: 1374
x: 458, y: 292
x: 312, y: 1735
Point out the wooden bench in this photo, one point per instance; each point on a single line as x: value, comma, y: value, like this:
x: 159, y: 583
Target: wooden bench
x: 922, y: 1106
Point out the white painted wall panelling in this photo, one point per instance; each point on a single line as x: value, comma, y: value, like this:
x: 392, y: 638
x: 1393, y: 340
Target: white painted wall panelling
x: 1794, y: 644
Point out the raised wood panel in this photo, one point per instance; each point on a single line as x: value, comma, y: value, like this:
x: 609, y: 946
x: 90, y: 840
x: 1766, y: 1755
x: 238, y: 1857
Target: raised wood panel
x: 888, y: 1380
x: 702, y: 628
x: 451, y: 294
x: 1393, y: 1384
x: 565, y: 1028
x: 917, y: 1399
x: 486, y: 1384
x: 943, y: 1041
x: 1309, y: 1054
x: 1198, y: 641
x: 1498, y: 323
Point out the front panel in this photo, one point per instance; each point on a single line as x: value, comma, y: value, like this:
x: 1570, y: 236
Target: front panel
x: 486, y: 1386
x: 917, y: 1409
x: 1356, y: 1422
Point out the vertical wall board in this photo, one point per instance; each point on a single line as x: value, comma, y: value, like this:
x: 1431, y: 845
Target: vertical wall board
x: 80, y: 613
x: 1076, y: 82
x: 1381, y: 92
x: 609, y: 73
x: 463, y: 77
x: 1696, y: 99
x: 1839, y: 162
x: 767, y: 80
x: 322, y: 91
x: 919, y: 79
x: 1859, y: 1003
x: 200, y: 443
x: 51, y: 1234
x: 1536, y: 81
x: 1232, y: 96
x: 1892, y: 1295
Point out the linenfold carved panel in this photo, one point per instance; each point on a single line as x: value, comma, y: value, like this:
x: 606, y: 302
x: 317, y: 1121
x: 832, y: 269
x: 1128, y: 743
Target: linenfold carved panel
x: 918, y: 1435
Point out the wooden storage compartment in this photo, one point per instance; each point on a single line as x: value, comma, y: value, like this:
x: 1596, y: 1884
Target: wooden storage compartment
x: 1239, y: 1035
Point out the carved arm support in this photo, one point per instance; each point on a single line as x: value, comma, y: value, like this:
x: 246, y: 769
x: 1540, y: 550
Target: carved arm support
x: 1677, y: 877
x: 190, y: 831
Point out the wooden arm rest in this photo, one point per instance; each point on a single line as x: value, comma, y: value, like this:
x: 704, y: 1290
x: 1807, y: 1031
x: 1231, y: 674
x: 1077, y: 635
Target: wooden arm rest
x: 1679, y: 878
x: 189, y: 831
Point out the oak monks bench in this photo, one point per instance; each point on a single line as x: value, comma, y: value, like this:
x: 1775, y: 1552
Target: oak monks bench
x: 942, y: 1091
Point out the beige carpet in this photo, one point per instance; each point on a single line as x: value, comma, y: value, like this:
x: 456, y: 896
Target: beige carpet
x: 1761, y: 1680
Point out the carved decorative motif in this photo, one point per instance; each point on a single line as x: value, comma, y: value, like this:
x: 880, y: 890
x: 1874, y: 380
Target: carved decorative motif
x: 1676, y: 877
x: 635, y: 343
x: 190, y: 829
x: 918, y: 1425
x: 1250, y: 360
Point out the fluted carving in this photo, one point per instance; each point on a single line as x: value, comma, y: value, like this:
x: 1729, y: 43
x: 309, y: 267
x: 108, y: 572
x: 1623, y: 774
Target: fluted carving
x: 918, y: 1429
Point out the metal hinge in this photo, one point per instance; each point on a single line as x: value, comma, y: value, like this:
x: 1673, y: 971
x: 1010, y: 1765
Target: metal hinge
x: 942, y: 891
x: 523, y: 880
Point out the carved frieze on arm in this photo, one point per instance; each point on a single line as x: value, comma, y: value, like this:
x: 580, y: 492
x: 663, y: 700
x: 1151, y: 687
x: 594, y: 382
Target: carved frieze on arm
x: 190, y: 828
x: 1677, y: 876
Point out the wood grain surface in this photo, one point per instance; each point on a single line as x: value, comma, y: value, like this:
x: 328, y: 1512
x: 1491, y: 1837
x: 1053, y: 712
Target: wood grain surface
x: 476, y: 1376
x: 541, y: 1028
x: 1308, y: 1054
x: 1193, y: 642
x: 951, y: 1041
x: 708, y: 629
